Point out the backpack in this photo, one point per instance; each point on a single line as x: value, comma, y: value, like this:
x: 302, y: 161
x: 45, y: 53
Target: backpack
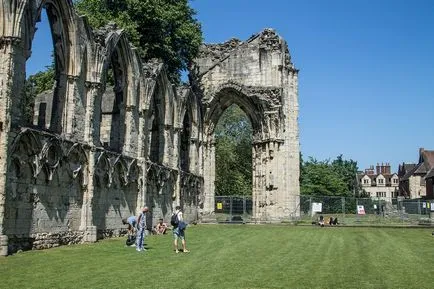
x: 130, y: 240
x: 174, y: 220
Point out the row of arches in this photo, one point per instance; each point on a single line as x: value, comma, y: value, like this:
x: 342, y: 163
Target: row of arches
x: 139, y: 115
x: 104, y: 95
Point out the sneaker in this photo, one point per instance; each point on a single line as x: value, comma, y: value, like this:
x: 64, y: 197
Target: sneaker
x: 133, y: 245
x: 186, y: 251
x: 176, y: 251
x: 139, y: 250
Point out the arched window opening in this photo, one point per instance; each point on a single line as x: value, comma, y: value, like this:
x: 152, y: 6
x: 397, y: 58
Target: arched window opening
x: 112, y: 129
x: 156, y: 150
x: 185, y: 143
x: 233, y: 154
x: 40, y: 75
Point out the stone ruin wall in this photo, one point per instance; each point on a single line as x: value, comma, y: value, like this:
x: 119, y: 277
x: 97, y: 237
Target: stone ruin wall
x: 95, y: 153
x: 259, y: 77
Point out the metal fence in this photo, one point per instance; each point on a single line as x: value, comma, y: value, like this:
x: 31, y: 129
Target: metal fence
x: 347, y: 211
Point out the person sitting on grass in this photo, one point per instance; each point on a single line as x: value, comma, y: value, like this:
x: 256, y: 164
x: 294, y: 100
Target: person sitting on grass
x: 321, y: 221
x: 160, y: 228
x: 335, y: 221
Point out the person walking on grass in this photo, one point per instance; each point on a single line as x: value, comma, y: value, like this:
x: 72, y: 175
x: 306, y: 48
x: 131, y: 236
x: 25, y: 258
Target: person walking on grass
x: 179, y: 226
x: 141, y: 224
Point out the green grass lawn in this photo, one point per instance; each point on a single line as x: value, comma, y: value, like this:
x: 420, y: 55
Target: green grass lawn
x: 237, y: 256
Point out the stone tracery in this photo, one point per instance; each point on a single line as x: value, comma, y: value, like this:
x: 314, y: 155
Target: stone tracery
x: 160, y: 144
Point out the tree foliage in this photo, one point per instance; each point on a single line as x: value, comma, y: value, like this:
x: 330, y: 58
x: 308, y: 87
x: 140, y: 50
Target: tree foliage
x: 233, y: 153
x: 164, y: 29
x: 325, y: 178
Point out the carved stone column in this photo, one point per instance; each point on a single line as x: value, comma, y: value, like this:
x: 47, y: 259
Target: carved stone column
x: 87, y: 223
x: 130, y: 131
x: 176, y: 164
x: 209, y: 182
x: 93, y: 113
x: 73, y: 118
x: 141, y: 162
x: 291, y: 151
x: 12, y: 75
x: 91, y: 136
x: 167, y: 143
x: 141, y: 183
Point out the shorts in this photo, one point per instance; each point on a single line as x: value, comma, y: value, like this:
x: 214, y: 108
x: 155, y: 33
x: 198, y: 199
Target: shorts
x: 178, y: 234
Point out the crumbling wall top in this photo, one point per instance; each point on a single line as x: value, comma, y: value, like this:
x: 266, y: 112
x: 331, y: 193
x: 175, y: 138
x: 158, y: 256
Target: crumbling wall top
x: 100, y: 35
x: 152, y: 67
x: 218, y: 51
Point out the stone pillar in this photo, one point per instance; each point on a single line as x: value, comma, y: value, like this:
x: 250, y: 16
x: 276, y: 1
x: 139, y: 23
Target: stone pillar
x: 142, y: 145
x: 176, y: 196
x: 260, y: 180
x: 166, y: 145
x: 209, y: 179
x: 141, y: 181
x: 92, y: 121
x: 12, y: 75
x: 91, y: 136
x: 256, y: 178
x: 87, y: 209
x: 130, y: 132
x: 73, y: 112
x: 91, y: 234
x: 290, y: 153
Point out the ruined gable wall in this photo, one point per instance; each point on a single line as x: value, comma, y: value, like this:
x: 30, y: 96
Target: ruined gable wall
x: 257, y: 75
x: 259, y: 57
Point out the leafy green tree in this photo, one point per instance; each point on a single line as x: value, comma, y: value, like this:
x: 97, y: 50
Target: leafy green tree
x: 164, y: 29
x: 347, y: 169
x: 233, y: 153
x: 325, y: 178
x: 319, y: 178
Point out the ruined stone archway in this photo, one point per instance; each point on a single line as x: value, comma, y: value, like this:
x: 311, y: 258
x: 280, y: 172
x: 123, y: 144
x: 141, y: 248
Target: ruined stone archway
x: 259, y: 77
x: 169, y: 165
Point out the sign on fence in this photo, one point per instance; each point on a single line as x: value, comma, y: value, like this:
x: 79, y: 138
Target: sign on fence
x: 219, y: 206
x: 317, y: 207
x: 360, y: 210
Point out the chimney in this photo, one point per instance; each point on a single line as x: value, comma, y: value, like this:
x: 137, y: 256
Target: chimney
x: 387, y: 169
x: 378, y: 169
x: 369, y: 171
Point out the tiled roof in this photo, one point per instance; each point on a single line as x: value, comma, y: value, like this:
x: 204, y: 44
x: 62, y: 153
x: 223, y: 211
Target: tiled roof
x: 374, y: 177
x: 405, y: 168
x: 430, y: 174
x: 428, y: 157
x: 421, y: 169
x: 426, y: 162
x: 409, y: 173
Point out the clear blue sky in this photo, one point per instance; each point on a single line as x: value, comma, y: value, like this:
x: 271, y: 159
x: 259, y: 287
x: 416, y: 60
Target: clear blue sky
x: 366, y: 81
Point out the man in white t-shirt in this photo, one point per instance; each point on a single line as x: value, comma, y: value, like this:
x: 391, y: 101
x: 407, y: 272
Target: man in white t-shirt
x: 179, y: 231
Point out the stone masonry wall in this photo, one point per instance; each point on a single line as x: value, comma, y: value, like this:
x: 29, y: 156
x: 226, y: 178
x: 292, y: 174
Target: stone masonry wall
x: 59, y: 181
